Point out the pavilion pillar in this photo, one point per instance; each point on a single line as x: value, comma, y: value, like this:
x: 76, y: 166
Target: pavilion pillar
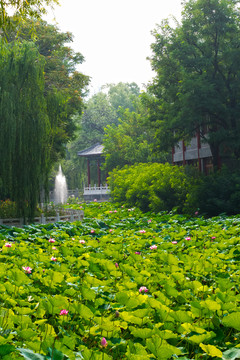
x: 198, y: 148
x: 88, y: 171
x: 99, y: 172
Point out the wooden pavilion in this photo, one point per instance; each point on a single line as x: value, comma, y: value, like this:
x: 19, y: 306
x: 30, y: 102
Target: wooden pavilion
x: 93, y: 154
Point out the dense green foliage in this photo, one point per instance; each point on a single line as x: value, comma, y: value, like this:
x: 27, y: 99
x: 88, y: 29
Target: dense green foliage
x: 122, y: 95
x: 130, y: 141
x: 41, y: 91
x: 217, y: 193
x: 101, y: 110
x: 154, y: 286
x: 153, y: 186
x: 24, y: 126
x: 65, y: 87
x: 164, y: 187
x: 197, y: 84
x: 23, y: 10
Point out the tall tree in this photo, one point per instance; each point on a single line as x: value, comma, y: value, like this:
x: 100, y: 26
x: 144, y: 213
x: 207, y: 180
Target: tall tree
x: 122, y: 95
x: 101, y: 109
x: 24, y: 126
x: 65, y: 87
x: 130, y: 141
x: 197, y: 86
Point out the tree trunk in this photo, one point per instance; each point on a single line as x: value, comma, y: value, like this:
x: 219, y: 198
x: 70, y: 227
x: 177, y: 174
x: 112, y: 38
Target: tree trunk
x: 215, y: 156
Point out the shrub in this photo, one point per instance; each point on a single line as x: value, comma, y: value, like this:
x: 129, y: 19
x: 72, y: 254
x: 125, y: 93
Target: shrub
x: 8, y: 209
x: 156, y: 187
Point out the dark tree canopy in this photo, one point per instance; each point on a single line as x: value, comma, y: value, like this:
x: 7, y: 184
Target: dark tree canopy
x: 197, y: 83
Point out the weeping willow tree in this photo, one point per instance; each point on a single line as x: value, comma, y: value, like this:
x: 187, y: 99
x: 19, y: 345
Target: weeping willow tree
x: 24, y: 126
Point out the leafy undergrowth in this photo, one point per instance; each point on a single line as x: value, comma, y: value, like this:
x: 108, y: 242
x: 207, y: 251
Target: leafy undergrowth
x: 121, y: 285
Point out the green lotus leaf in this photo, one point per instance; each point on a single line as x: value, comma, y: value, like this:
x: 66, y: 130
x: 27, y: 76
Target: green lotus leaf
x: 211, y: 305
x: 6, y: 349
x: 23, y: 310
x: 182, y: 316
x: 161, y: 349
x: 171, y: 291
x: 141, y: 333
x: 231, y: 354
x: 199, y: 338
x: 132, y: 303
x: 87, y: 293
x: 122, y: 297
x: 136, y: 351
x: 84, y: 311
x: 18, y: 278
x: 211, y: 350
x: 26, y: 334
x: 128, y: 317
x: 232, y: 320
x: 30, y: 355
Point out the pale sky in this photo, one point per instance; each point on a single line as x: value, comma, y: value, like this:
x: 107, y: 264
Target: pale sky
x: 114, y: 36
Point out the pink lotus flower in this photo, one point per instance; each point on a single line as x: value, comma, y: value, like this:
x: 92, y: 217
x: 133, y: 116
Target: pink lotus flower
x: 63, y: 312
x: 115, y: 211
x: 137, y: 252
x: 153, y: 247
x: 51, y: 240
x: 95, y: 200
x: 188, y: 238
x: 213, y: 237
x: 149, y: 221
x: 82, y: 241
x: 142, y: 231
x: 104, y: 342
x: 174, y: 242
x: 196, y: 212
x: 116, y: 264
x: 110, y: 212
x: 8, y: 245
x: 111, y: 230
x: 143, y: 288
x: 27, y: 269
x: 92, y: 231
x: 54, y: 248
x: 53, y: 258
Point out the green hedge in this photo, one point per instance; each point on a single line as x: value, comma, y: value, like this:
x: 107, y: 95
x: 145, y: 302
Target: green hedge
x: 153, y: 187
x: 164, y: 187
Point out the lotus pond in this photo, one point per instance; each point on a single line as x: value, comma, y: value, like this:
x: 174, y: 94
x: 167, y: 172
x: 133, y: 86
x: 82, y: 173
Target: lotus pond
x: 121, y: 285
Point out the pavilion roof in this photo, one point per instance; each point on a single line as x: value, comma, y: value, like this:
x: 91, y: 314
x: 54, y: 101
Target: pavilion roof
x: 94, y: 150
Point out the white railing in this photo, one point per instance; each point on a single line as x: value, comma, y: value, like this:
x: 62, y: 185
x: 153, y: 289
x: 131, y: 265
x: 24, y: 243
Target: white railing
x: 96, y: 190
x: 65, y: 215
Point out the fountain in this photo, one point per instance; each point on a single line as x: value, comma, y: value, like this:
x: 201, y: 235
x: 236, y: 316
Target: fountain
x: 60, y: 190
